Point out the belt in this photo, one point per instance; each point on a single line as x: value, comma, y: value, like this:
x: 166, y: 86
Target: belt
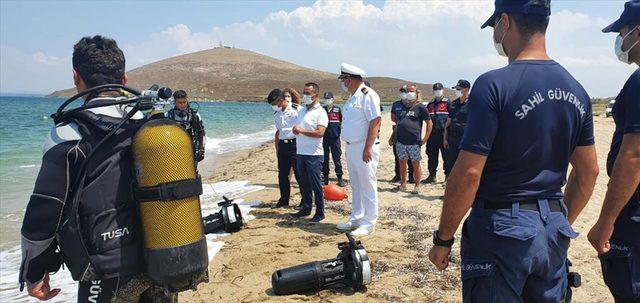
x: 288, y: 141
x: 349, y: 143
x: 555, y: 205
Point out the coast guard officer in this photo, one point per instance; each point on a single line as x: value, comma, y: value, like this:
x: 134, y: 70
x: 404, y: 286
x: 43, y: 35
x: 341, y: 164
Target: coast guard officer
x: 361, y: 119
x: 285, y: 116
x: 616, y: 235
x: 331, y: 140
x: 526, y: 123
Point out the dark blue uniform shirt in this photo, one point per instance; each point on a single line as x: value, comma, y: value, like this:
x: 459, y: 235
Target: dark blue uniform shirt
x: 458, y: 114
x: 527, y: 118
x: 626, y: 114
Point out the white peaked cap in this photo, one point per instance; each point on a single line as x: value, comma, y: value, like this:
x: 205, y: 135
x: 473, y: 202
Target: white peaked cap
x: 351, y: 70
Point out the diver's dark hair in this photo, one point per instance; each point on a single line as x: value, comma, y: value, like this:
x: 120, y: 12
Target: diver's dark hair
x: 530, y: 24
x: 98, y: 60
x: 273, y: 95
x: 316, y: 87
x: 179, y: 94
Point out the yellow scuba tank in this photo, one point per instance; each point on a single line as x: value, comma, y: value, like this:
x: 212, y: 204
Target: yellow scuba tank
x: 168, y: 190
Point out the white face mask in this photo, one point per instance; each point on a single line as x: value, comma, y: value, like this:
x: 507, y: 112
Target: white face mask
x: 288, y: 98
x: 624, y: 55
x: 411, y: 96
x: 306, y: 100
x: 458, y: 93
x: 498, y: 45
x: 275, y: 108
x: 403, y: 96
x: 438, y: 93
x: 344, y: 87
x: 327, y: 102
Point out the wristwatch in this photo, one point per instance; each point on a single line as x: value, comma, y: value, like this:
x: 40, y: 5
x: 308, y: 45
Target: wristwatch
x: 439, y: 242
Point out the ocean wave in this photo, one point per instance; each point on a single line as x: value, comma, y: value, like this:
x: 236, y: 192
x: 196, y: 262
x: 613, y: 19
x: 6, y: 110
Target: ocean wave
x: 212, y: 194
x: 238, y: 142
x: 28, y: 166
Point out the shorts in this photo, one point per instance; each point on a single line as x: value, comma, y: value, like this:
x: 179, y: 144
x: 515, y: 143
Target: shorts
x: 408, y: 152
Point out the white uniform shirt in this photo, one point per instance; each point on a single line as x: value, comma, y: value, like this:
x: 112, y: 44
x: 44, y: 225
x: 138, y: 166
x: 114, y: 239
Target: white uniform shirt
x: 310, y: 119
x: 359, y: 110
x: 285, y: 120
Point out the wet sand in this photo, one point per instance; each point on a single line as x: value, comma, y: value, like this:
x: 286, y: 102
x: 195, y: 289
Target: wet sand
x: 241, y: 271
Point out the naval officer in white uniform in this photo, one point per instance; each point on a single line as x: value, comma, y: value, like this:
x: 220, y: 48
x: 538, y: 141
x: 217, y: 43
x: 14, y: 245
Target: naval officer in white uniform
x: 361, y: 118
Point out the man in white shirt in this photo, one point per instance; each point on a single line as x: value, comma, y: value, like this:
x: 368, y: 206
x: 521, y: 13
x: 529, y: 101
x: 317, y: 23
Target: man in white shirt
x: 285, y: 116
x: 361, y: 119
x: 309, y: 130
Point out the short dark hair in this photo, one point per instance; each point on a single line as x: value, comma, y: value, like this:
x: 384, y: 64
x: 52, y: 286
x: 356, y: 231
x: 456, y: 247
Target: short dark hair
x: 179, y: 94
x: 274, y: 95
x: 316, y: 87
x: 530, y: 24
x: 98, y: 60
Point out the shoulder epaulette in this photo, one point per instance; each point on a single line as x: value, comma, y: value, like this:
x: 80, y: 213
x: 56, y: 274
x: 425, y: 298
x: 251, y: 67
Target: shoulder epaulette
x: 364, y: 90
x: 295, y: 105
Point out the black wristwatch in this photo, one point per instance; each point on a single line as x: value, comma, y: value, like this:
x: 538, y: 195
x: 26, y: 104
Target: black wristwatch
x: 439, y: 242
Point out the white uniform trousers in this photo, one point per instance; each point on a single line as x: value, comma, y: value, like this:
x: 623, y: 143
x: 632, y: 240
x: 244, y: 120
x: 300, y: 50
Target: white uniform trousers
x: 364, y: 183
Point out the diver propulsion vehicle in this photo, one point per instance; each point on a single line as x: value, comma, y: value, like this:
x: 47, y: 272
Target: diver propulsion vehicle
x: 351, y: 268
x: 229, y: 218
x: 167, y: 196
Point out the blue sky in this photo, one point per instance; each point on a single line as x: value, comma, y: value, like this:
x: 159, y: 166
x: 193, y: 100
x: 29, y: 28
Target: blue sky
x: 424, y: 41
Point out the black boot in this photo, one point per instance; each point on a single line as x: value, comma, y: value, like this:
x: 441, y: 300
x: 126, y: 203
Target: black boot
x: 325, y: 180
x: 341, y: 182
x: 395, y: 179
x: 302, y: 213
x: 430, y: 179
x: 317, y: 218
x: 281, y: 204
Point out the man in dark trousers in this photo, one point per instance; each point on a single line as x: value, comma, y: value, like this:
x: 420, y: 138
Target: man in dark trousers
x: 527, y: 121
x: 399, y: 109
x: 439, y: 112
x: 331, y: 140
x: 616, y: 234
x: 456, y: 122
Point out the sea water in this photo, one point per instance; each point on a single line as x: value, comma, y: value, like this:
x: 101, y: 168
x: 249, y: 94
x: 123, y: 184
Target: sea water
x: 25, y: 122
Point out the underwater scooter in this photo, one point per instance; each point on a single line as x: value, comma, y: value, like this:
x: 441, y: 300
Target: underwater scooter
x: 229, y: 218
x: 351, y: 268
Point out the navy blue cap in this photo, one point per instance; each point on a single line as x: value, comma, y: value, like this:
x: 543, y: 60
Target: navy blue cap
x: 533, y: 7
x: 462, y: 84
x: 630, y: 16
x: 328, y: 95
x: 438, y: 86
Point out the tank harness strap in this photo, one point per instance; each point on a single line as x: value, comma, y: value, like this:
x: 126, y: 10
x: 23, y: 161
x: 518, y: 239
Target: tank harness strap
x: 174, y: 190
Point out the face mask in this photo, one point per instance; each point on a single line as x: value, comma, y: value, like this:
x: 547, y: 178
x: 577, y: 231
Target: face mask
x: 498, y: 45
x: 403, y: 96
x: 344, y: 87
x: 624, y: 55
x: 458, y: 93
x: 306, y: 100
x: 438, y: 93
x: 411, y: 96
x: 327, y: 102
x: 275, y: 108
x: 288, y: 98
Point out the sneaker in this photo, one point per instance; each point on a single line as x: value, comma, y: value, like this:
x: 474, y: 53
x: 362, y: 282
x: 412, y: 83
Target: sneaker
x: 395, y: 179
x: 363, y: 231
x: 430, y: 179
x: 301, y: 214
x: 346, y: 226
x: 317, y: 218
x: 341, y: 182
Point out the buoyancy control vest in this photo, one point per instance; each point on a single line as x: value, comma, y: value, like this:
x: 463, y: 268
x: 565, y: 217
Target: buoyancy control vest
x: 99, y: 235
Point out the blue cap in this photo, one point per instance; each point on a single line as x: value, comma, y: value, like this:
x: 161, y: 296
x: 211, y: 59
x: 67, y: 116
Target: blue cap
x: 328, y: 95
x: 534, y: 7
x: 630, y: 16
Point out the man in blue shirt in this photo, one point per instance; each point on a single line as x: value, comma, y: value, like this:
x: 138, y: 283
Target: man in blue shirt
x: 526, y: 123
x: 398, y: 109
x: 456, y: 122
x: 616, y: 234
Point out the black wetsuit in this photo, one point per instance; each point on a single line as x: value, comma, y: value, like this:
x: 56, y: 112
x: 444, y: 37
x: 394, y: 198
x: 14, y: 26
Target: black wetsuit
x: 192, y: 122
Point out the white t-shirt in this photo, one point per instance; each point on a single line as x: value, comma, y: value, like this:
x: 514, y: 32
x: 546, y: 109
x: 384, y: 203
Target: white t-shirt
x: 359, y: 110
x: 310, y: 119
x: 285, y: 120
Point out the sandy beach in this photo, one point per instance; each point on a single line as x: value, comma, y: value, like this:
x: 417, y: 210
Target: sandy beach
x: 241, y: 271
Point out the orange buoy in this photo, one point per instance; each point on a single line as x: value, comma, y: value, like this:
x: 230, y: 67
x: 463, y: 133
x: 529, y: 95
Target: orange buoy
x: 333, y: 192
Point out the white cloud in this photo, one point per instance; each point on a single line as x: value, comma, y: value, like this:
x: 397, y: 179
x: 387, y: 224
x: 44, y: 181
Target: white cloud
x: 423, y: 41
